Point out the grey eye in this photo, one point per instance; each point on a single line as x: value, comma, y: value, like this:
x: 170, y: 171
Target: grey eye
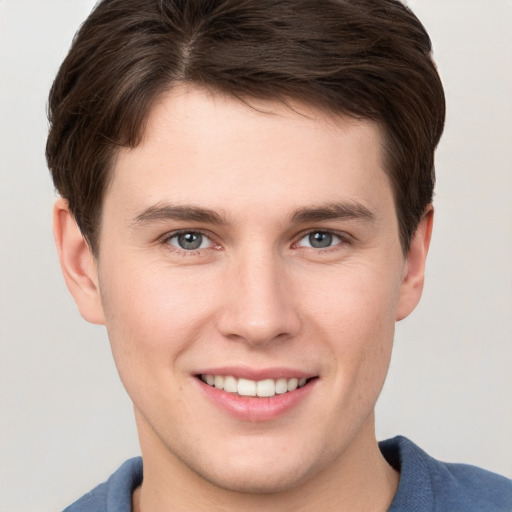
x: 190, y: 240
x: 320, y: 240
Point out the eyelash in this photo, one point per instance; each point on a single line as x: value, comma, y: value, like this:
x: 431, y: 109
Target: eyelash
x: 166, y: 241
x: 344, y: 239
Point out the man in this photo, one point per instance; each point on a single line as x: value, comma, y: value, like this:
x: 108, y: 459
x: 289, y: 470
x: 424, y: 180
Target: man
x: 246, y: 206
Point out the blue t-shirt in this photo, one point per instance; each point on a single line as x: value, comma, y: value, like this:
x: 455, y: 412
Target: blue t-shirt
x: 426, y: 485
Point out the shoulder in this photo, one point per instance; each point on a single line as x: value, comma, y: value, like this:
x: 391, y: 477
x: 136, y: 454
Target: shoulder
x: 114, y: 495
x: 427, y: 484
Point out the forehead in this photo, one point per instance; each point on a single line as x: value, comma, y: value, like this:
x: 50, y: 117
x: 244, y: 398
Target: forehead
x: 227, y: 154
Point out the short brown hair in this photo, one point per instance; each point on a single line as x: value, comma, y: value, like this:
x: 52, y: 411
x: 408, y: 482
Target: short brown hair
x: 370, y: 59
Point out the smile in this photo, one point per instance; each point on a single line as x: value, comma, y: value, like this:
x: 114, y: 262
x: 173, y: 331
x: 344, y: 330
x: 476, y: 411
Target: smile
x: 251, y: 388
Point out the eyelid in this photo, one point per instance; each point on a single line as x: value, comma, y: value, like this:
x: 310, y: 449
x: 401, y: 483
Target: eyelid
x: 164, y: 240
x: 344, y: 237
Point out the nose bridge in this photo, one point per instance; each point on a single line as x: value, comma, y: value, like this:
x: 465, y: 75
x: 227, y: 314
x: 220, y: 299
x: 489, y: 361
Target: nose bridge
x: 259, y: 307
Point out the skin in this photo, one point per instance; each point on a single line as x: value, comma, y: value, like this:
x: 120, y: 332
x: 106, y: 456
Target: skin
x: 255, y: 295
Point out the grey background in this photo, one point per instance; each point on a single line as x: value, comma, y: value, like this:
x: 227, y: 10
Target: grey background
x: 65, y: 422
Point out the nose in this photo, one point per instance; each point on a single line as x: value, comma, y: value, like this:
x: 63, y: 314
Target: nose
x: 259, y: 305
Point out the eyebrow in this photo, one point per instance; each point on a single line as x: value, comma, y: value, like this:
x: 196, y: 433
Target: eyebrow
x: 333, y: 211
x: 163, y: 212
x: 330, y: 211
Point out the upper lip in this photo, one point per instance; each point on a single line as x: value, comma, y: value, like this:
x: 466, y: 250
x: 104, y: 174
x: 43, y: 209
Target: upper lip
x: 256, y: 374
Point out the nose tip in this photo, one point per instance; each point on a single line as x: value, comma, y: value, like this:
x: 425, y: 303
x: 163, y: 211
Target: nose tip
x: 258, y: 330
x: 259, y: 308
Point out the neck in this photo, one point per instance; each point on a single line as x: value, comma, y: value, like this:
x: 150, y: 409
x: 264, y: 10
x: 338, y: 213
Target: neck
x: 358, y: 480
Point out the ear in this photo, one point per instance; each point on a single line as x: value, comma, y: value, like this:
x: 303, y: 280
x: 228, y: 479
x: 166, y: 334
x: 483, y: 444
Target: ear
x: 78, y: 264
x: 414, y: 268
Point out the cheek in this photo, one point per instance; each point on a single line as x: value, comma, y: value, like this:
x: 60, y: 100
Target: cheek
x: 153, y: 316
x: 355, y: 314
x: 354, y: 298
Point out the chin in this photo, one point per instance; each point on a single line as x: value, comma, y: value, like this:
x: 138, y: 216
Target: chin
x: 263, y: 468
x: 260, y: 480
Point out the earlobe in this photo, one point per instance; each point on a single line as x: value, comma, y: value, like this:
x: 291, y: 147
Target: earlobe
x: 412, y: 283
x: 78, y: 264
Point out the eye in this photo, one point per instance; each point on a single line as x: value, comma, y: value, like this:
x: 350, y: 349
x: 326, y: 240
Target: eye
x: 189, y: 240
x: 320, y: 240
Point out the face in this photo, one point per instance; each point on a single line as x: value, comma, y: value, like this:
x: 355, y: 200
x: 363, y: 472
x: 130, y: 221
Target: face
x: 250, y: 275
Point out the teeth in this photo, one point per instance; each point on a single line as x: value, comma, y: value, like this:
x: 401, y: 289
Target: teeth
x: 230, y: 384
x: 266, y: 387
x: 281, y: 386
x: 218, y: 381
x: 292, y: 384
x: 246, y: 387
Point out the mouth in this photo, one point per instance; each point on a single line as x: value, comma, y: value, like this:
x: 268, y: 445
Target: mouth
x: 257, y: 395
x: 265, y: 388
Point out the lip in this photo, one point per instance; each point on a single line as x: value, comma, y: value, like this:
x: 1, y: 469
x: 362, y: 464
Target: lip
x: 243, y: 372
x: 256, y: 409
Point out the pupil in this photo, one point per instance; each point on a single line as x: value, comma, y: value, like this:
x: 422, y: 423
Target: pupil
x: 190, y: 240
x: 320, y: 240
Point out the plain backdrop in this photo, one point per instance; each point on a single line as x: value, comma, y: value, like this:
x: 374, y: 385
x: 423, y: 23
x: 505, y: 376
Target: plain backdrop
x: 65, y: 421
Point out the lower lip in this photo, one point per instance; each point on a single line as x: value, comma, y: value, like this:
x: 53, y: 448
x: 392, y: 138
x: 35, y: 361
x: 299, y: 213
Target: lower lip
x: 255, y: 409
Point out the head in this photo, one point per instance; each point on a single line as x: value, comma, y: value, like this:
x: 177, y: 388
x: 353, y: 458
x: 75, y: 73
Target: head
x: 251, y: 182
x: 367, y: 60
